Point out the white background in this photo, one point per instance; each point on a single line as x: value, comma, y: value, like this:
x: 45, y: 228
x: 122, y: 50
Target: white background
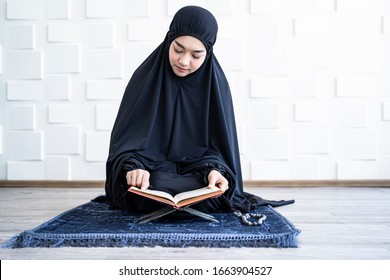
x: 310, y: 82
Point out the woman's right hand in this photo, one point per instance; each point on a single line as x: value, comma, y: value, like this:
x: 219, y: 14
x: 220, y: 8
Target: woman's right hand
x: 138, y: 178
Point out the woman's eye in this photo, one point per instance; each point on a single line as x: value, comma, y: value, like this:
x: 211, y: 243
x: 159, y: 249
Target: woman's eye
x: 178, y: 51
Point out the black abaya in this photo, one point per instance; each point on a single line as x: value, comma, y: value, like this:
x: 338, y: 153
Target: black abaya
x: 178, y: 128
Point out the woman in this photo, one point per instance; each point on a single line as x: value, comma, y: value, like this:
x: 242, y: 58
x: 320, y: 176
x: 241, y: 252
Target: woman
x: 175, y: 129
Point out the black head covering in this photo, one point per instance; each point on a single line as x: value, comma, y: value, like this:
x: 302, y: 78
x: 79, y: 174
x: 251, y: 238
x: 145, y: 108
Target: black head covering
x: 196, y: 22
x: 184, y: 123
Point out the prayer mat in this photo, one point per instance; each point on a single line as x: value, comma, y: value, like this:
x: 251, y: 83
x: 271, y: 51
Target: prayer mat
x: 97, y: 224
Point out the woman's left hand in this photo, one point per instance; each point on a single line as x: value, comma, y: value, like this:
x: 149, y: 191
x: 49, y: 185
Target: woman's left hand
x: 216, y: 179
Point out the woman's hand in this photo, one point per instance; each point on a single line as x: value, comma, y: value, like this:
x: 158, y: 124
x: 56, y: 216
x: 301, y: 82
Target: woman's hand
x: 138, y: 178
x: 216, y: 179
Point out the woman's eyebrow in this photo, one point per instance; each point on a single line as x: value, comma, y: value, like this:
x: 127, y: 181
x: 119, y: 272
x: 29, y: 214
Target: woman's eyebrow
x: 181, y: 46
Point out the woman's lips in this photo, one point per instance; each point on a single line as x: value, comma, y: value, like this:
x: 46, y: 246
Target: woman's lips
x: 180, y: 69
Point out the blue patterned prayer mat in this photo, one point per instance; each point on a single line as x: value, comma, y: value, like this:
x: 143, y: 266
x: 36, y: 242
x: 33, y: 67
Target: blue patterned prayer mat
x: 96, y: 224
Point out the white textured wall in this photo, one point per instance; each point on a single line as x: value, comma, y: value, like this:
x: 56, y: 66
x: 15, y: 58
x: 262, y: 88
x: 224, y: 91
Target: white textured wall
x: 310, y: 81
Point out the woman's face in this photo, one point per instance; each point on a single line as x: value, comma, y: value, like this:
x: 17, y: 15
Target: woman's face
x: 186, y: 55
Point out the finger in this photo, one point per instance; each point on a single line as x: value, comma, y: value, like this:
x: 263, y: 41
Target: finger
x: 130, y: 178
x: 139, y: 177
x: 145, y: 181
x: 224, y: 186
x: 212, y: 182
x: 222, y: 183
x: 133, y: 179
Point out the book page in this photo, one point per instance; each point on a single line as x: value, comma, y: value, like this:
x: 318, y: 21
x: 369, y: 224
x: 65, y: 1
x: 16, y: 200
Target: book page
x: 181, y: 199
x: 154, y: 193
x: 195, y: 193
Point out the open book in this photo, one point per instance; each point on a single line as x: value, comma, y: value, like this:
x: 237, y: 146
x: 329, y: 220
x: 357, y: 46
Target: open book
x: 181, y: 199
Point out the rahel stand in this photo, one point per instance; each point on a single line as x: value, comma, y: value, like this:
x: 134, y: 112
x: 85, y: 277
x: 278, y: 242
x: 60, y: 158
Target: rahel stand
x: 168, y: 210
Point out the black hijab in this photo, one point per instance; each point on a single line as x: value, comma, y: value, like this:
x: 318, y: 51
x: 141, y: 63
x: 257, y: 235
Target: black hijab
x: 186, y: 122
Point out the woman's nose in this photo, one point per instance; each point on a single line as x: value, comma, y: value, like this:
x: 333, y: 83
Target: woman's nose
x: 184, y: 60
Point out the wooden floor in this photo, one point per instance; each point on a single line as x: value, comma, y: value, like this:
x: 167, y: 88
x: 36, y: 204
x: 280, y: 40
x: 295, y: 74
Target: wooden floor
x: 336, y: 223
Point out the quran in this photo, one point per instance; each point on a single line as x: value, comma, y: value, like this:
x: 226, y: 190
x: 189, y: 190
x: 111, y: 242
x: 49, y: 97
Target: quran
x: 179, y: 202
x: 181, y: 199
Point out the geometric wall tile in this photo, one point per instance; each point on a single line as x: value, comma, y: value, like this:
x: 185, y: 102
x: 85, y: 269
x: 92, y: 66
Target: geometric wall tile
x: 239, y: 87
x: 63, y: 33
x: 25, y: 90
x: 105, y: 89
x: 22, y: 117
x: 266, y: 115
x: 351, y: 115
x: 353, y: 6
x: 351, y: 28
x: 240, y: 110
x: 270, y: 170
x: 25, y: 9
x: 22, y: 36
x: 383, y: 134
x: 355, y: 86
x: 352, y: 58
x: 304, y: 168
x: 144, y: 30
x: 267, y: 60
x: 95, y: 171
x: 25, y: 145
x: 326, y: 85
x: 312, y: 112
x: 214, y: 6
x: 25, y: 170
x: 224, y: 52
x: 311, y: 26
x: 62, y: 59
x: 105, y: 116
x: 62, y: 140
x: 309, y: 81
x: 265, y: 31
x: 269, y: 87
x: 386, y: 111
x: 269, y: 144
x: 357, y: 170
x: 310, y: 139
x: 135, y: 53
x: 303, y: 6
x: 303, y: 84
x: 355, y: 144
x: 326, y: 167
x: 383, y: 168
x: 229, y: 26
x: 1, y: 59
x: 174, y: 5
x: 1, y: 140
x: 24, y: 65
x: 101, y: 35
x: 57, y: 87
x: 97, y: 145
x: 386, y: 25
x: 136, y: 8
x: 57, y: 9
x: 382, y: 55
x: 104, y: 8
x: 217, y: 8
x: 241, y: 138
x: 57, y: 168
x: 64, y: 114
x: 265, y: 6
x: 309, y: 55
x: 104, y: 64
